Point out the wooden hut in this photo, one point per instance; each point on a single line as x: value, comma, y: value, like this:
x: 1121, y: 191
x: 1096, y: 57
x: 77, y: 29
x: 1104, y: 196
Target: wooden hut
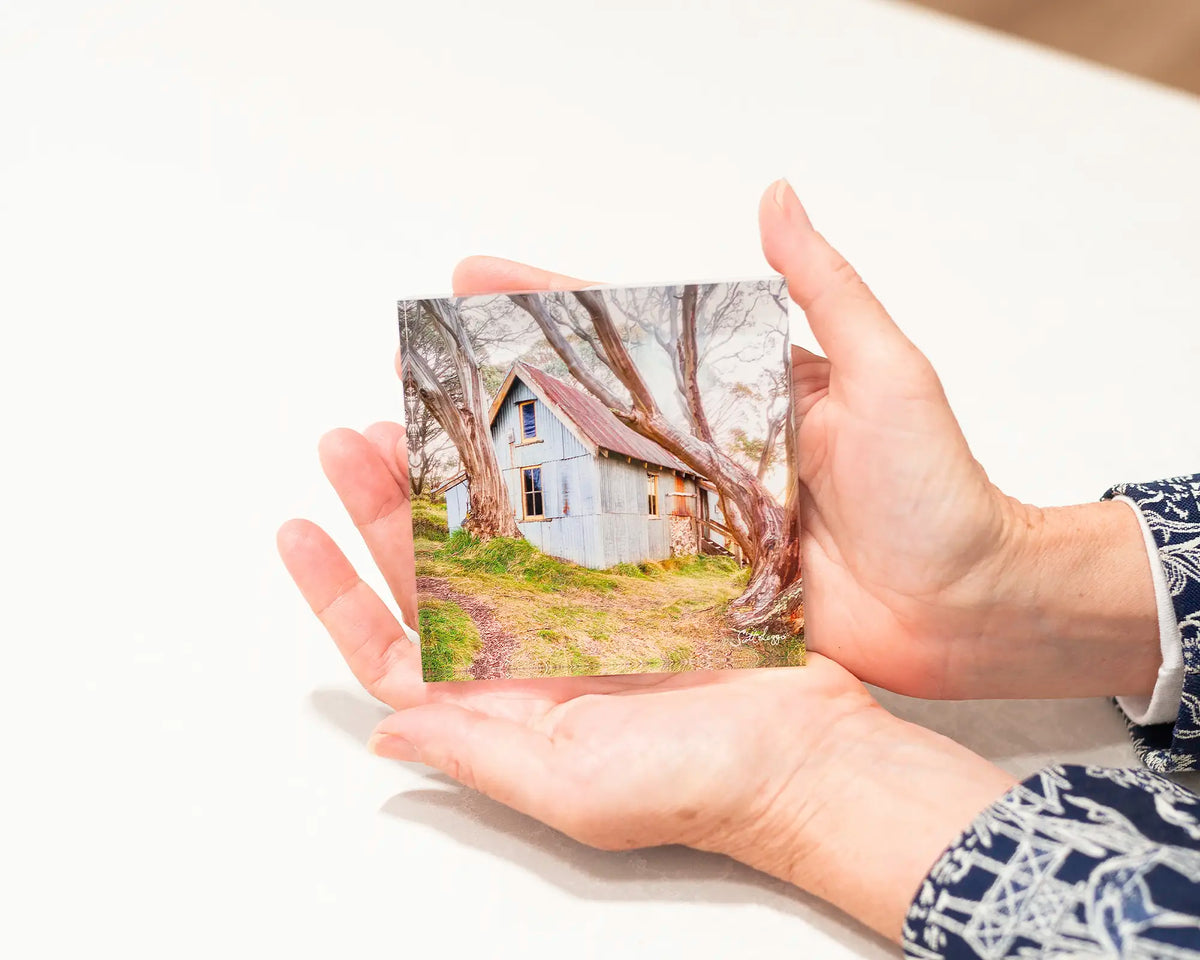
x: 583, y: 486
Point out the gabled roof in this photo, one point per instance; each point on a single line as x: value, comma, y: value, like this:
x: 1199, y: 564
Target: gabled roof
x: 591, y: 421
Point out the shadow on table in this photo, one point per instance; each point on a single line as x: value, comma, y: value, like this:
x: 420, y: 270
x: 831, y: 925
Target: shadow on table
x: 657, y: 873
x: 1024, y: 733
x: 1021, y: 735
x: 355, y: 715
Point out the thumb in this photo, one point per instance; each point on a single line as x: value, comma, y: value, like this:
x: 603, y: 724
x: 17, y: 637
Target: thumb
x: 851, y: 326
x: 506, y: 760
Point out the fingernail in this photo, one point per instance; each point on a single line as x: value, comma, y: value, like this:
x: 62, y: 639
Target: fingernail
x: 392, y: 747
x: 789, y: 204
x: 782, y: 188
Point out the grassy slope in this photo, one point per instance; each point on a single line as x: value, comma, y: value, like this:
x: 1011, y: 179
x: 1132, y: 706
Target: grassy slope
x: 449, y: 640
x: 571, y: 620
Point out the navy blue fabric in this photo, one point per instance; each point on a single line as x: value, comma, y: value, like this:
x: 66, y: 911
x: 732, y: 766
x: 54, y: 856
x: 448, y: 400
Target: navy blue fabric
x: 1089, y: 861
x: 1172, y: 510
x: 1073, y: 862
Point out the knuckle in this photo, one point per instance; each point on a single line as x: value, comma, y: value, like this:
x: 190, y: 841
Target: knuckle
x: 845, y: 274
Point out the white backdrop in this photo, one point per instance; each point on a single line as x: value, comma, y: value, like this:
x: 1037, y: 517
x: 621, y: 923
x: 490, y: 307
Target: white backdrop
x: 207, y: 211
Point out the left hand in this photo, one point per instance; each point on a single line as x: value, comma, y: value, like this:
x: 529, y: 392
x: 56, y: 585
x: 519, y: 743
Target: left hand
x: 695, y: 758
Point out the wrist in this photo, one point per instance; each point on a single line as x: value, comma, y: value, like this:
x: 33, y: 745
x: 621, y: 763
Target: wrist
x: 879, y: 800
x: 1071, y: 609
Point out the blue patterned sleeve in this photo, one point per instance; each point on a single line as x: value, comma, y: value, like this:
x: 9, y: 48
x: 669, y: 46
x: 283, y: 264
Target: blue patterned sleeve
x: 1074, y: 862
x: 1171, y: 509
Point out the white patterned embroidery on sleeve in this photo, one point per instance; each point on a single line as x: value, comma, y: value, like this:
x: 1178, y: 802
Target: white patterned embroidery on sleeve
x: 1050, y: 872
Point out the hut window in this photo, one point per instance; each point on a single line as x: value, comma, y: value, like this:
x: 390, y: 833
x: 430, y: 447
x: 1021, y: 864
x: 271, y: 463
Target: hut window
x: 531, y: 485
x: 652, y: 493
x: 528, y: 419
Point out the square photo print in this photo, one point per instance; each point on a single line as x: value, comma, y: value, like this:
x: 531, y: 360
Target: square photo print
x: 602, y: 480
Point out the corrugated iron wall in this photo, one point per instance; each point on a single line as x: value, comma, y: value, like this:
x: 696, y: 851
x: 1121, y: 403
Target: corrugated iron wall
x: 569, y: 481
x: 595, y: 510
x: 629, y: 534
x: 456, y: 505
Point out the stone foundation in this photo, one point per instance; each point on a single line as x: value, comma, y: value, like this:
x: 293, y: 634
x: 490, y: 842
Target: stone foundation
x: 683, y: 537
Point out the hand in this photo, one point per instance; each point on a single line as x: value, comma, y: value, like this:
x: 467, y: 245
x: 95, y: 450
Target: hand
x: 920, y: 575
x: 795, y: 771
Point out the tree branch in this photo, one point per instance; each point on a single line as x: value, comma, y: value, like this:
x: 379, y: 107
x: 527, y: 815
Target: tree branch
x: 536, y: 308
x: 619, y: 361
x: 687, y: 357
x: 437, y: 399
x: 768, y: 451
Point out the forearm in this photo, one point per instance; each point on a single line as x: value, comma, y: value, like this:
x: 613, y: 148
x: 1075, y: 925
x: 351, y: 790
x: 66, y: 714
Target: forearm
x: 936, y: 848
x: 1072, y: 609
x: 864, y: 834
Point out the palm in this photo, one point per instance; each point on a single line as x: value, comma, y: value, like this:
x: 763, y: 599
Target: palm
x: 899, y: 522
x: 883, y: 555
x: 615, y: 761
x: 669, y: 759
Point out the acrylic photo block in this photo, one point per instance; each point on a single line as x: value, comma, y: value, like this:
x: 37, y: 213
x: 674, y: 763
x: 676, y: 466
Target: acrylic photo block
x: 600, y: 480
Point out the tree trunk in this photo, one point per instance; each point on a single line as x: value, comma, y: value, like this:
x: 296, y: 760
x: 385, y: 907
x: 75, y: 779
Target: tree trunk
x: 773, y: 599
x: 765, y: 530
x: 490, y: 514
x: 466, y: 424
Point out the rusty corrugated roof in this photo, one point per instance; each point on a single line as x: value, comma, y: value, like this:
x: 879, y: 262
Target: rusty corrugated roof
x: 592, y: 418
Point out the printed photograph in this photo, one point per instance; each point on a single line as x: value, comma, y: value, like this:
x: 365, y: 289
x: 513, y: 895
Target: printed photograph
x: 602, y: 480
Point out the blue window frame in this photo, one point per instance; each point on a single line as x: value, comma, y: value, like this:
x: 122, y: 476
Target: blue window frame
x: 528, y: 419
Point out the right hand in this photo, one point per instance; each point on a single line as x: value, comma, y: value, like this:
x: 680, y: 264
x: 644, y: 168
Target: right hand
x: 920, y: 574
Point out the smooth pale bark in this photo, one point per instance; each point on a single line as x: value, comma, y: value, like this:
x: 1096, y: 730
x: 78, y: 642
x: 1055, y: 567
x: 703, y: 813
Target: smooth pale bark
x: 465, y: 421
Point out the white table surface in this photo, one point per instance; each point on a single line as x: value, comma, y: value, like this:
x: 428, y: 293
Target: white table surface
x: 207, y: 211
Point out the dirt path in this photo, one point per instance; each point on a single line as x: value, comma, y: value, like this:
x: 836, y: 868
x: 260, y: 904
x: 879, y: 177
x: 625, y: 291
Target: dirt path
x: 498, y: 645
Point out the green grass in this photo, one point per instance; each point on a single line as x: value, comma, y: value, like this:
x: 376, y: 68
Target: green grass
x: 561, y: 655
x: 628, y: 570
x: 519, y: 560
x: 665, y: 615
x: 429, y: 520
x: 673, y: 660
x: 449, y: 640
x: 701, y: 563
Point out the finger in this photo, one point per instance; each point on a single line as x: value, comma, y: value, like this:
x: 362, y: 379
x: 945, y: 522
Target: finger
x: 372, y: 642
x: 391, y: 443
x: 379, y: 506
x: 851, y: 326
x: 810, y: 380
x: 476, y: 275
x: 508, y: 761
x: 383, y: 660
